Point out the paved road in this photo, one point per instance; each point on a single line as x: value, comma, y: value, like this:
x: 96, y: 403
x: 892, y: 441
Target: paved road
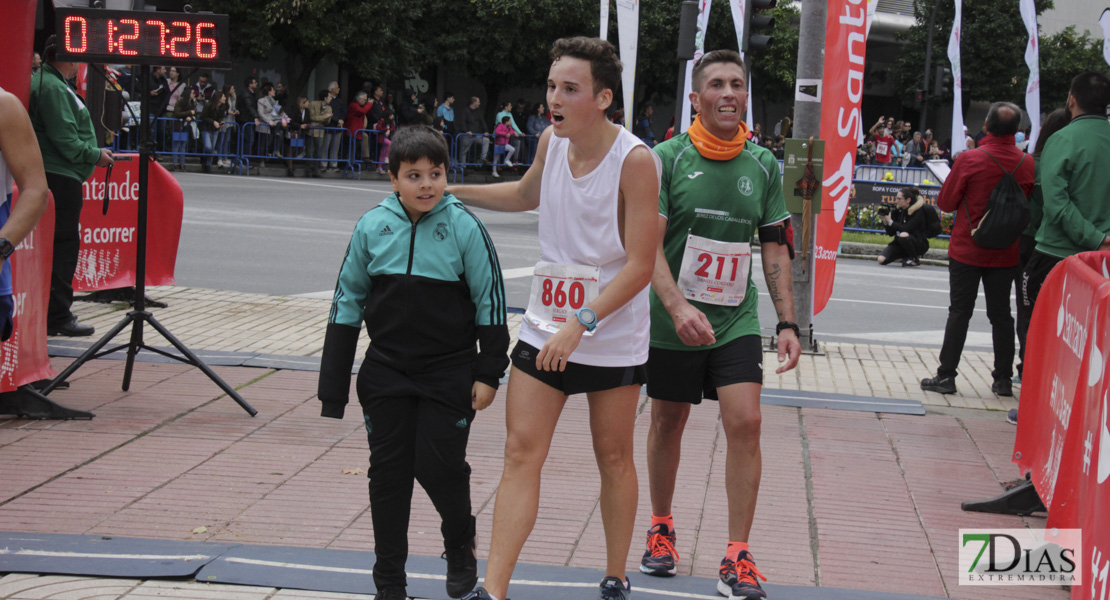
x: 287, y: 237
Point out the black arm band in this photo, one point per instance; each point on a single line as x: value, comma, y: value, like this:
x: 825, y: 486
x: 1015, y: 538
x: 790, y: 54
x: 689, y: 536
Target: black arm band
x: 778, y: 234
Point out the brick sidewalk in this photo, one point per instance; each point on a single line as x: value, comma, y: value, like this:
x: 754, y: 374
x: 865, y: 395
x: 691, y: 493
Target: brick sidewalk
x: 853, y: 500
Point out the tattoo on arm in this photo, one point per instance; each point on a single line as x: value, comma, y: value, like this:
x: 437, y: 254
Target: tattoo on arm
x: 773, y: 288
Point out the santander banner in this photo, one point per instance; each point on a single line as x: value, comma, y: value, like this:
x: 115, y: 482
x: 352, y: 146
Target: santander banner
x: 23, y: 357
x: 845, y: 48
x: 108, y: 242
x: 1063, y: 435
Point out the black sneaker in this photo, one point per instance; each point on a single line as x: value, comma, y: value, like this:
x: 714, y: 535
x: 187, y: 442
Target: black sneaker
x: 940, y: 385
x: 462, y: 567
x: 479, y: 594
x: 614, y: 589
x: 391, y: 593
x: 1003, y: 387
x: 911, y: 262
x: 1011, y: 417
x: 738, y: 579
x: 660, y: 557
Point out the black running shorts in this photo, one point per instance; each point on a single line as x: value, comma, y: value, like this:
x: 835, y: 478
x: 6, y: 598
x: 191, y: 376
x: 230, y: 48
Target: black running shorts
x: 577, y: 378
x: 690, y: 375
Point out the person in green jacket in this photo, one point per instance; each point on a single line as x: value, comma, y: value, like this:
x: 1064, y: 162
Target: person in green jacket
x: 1075, y: 211
x: 70, y: 153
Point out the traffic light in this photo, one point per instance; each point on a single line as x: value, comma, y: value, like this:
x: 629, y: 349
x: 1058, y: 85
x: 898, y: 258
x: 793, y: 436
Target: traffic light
x: 942, y: 81
x: 758, y: 26
x: 918, y: 98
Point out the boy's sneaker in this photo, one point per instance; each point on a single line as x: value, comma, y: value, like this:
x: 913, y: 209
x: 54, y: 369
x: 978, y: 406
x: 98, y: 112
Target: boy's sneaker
x: 940, y: 385
x: 462, y: 568
x: 1003, y: 387
x: 478, y: 594
x: 660, y: 557
x: 615, y: 589
x: 391, y: 593
x: 738, y: 579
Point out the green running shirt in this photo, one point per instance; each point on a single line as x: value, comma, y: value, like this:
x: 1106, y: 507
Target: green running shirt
x: 722, y: 200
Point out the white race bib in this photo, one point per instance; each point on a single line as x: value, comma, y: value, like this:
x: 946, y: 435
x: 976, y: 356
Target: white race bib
x: 881, y: 148
x: 715, y: 272
x: 558, y: 291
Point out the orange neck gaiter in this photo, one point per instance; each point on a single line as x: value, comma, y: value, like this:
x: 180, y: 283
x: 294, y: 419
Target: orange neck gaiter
x: 714, y: 148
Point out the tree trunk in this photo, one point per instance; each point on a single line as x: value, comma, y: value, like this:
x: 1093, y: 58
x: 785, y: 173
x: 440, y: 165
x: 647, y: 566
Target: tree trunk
x: 298, y: 77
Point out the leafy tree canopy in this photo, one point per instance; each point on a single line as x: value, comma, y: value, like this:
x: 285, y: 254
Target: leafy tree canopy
x: 1063, y: 56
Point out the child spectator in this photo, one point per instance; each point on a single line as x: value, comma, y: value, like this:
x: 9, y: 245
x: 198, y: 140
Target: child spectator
x: 387, y: 125
x: 502, y: 134
x: 425, y: 303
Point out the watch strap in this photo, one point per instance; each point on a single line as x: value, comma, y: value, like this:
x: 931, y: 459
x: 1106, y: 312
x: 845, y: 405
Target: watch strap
x: 6, y: 248
x: 788, y: 325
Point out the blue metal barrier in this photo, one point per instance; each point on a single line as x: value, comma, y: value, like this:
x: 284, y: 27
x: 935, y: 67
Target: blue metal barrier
x: 906, y: 175
x: 481, y: 149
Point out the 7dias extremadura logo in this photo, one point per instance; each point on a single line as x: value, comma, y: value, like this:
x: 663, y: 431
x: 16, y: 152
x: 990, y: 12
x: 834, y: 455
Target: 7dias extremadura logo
x: 1020, y: 557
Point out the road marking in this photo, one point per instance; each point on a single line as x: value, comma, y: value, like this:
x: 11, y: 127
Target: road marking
x: 58, y: 554
x: 308, y: 183
x: 516, y: 582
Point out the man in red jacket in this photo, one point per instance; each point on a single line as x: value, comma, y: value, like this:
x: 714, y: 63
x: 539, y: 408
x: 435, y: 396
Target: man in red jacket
x: 966, y: 191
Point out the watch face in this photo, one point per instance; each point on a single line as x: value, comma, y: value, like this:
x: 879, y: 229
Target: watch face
x: 589, y: 316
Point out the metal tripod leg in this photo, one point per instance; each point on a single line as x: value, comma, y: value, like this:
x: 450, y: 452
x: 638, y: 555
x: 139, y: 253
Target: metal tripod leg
x: 88, y: 354
x: 194, y: 360
x: 134, y: 345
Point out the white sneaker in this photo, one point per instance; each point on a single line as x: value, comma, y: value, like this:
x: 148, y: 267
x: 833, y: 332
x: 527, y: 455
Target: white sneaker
x: 508, y: 163
x: 495, y: 174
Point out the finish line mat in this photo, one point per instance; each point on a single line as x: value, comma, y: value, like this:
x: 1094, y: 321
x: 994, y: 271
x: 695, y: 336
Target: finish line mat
x: 341, y: 571
x: 806, y: 399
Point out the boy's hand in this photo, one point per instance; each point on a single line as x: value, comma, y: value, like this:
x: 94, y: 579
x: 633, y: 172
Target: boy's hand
x: 481, y: 395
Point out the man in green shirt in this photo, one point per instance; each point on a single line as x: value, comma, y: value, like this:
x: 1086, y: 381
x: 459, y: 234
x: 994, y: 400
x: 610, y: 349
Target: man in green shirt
x: 70, y: 153
x: 1073, y: 180
x: 717, y: 193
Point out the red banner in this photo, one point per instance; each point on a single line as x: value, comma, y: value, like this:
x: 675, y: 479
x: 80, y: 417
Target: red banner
x: 108, y: 242
x: 1063, y: 433
x: 845, y: 48
x: 23, y: 358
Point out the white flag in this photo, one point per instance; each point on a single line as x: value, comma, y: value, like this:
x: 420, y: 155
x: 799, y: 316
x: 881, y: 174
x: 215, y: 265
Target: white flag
x: 604, y: 20
x: 699, y: 49
x: 628, y: 26
x: 1032, y: 59
x: 1104, y: 20
x: 959, y: 138
x: 738, y: 7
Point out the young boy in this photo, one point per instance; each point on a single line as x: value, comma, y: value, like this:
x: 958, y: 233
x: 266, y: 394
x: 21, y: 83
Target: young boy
x: 597, y: 189
x: 423, y: 273
x: 502, y: 135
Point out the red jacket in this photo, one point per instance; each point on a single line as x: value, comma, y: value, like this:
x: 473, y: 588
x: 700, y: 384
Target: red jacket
x: 356, y: 116
x: 973, y: 178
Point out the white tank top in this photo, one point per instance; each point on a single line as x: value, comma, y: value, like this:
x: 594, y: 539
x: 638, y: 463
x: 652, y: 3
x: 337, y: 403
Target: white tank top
x: 578, y: 226
x: 6, y: 178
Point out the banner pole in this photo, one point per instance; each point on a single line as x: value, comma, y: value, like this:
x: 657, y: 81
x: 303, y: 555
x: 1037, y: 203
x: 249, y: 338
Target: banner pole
x: 807, y: 124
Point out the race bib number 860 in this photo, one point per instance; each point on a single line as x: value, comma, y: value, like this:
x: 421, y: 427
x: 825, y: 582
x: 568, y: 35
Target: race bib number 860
x: 558, y: 291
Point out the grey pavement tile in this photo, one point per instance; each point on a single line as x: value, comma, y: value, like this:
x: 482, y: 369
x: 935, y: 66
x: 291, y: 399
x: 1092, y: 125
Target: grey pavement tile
x: 22, y: 586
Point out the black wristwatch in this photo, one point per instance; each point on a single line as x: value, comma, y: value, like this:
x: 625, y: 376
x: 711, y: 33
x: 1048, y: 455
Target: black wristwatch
x: 788, y: 325
x: 6, y: 248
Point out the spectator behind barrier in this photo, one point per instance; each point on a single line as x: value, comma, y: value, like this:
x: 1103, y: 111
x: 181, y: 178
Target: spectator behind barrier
x: 908, y: 225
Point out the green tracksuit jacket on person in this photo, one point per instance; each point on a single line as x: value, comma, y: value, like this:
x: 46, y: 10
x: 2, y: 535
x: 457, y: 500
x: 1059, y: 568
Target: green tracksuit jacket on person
x: 63, y: 126
x: 1074, y: 183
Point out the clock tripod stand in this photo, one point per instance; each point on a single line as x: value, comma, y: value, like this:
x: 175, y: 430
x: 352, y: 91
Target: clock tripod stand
x: 139, y: 316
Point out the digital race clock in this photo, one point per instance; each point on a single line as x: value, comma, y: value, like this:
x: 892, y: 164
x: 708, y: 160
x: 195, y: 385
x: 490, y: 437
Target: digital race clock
x: 135, y: 37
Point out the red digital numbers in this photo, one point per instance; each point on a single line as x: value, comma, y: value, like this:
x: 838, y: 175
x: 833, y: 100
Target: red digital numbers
x: 211, y: 42
x: 117, y: 46
x: 186, y: 36
x: 162, y: 46
x: 83, y: 24
x: 555, y: 294
x: 707, y: 261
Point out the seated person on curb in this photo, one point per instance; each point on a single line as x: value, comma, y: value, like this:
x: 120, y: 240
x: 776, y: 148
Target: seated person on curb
x: 907, y: 223
x: 422, y: 272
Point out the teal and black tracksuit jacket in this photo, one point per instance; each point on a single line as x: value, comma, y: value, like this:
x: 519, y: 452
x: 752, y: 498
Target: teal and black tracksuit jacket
x: 427, y: 291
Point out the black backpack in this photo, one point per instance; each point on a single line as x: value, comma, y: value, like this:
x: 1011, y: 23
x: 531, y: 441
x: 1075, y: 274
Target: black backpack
x: 1007, y: 212
x: 933, y: 227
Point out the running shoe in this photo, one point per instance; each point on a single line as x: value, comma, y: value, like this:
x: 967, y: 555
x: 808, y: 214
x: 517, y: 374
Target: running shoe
x: 478, y: 594
x: 660, y: 557
x: 1011, y: 417
x: 462, y: 567
x: 615, y: 589
x: 738, y: 579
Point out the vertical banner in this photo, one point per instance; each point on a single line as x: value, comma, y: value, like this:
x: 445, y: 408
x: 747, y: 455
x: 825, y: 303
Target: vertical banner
x: 23, y: 358
x: 1104, y: 20
x: 845, y: 48
x: 628, y: 27
x: 604, y: 26
x: 1032, y: 59
x: 738, y: 7
x: 958, y: 136
x: 699, y: 49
